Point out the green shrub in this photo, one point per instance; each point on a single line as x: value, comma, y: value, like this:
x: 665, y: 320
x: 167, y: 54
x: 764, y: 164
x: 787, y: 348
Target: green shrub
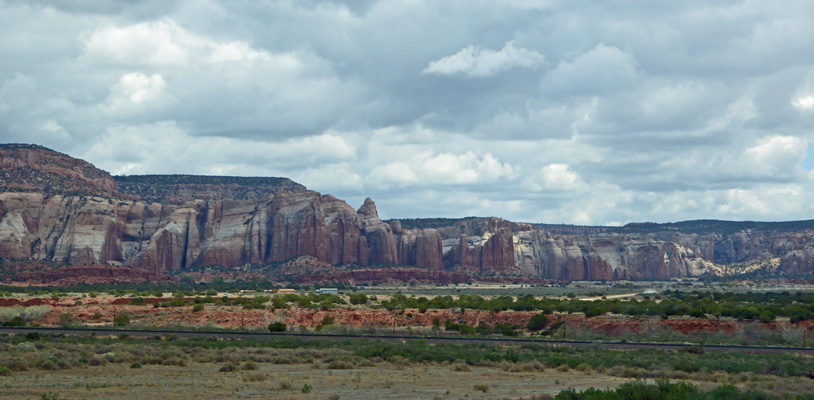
x: 662, y: 389
x: 135, y: 365
x: 197, y: 308
x: 277, y: 327
x: 121, y: 320
x: 16, y: 321
x: 358, y: 298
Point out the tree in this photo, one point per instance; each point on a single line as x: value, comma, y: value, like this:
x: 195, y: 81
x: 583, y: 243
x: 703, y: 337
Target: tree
x: 121, y: 320
x: 537, y: 322
x: 358, y: 298
x: 277, y: 327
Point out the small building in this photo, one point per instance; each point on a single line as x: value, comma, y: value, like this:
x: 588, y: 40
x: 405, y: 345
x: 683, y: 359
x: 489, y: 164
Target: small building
x: 327, y: 291
x: 286, y: 291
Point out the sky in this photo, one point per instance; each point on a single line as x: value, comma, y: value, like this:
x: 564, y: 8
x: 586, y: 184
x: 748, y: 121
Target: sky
x: 576, y: 112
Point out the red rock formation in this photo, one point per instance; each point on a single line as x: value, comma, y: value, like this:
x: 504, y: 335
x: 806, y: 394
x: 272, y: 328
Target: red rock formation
x: 460, y: 254
x: 498, y: 253
x: 420, y: 247
x: 380, y: 241
x: 595, y: 268
x: 343, y: 232
x: 297, y: 226
x: 428, y: 249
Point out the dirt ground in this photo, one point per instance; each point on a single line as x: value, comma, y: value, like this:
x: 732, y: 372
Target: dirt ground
x: 273, y: 381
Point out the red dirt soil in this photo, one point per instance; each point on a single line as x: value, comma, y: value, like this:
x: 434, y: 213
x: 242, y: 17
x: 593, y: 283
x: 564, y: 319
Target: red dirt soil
x: 103, y: 309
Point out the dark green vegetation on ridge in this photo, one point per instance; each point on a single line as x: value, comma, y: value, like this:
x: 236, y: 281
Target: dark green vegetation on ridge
x: 175, y: 188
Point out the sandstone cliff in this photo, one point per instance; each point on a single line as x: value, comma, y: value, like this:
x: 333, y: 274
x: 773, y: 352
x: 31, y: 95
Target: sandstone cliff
x: 226, y: 221
x: 570, y: 257
x: 63, y: 210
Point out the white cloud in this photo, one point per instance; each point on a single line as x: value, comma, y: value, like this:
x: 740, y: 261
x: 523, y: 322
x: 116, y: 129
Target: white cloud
x: 768, y: 202
x: 476, y: 62
x: 803, y: 103
x: 443, y: 168
x: 160, y: 43
x: 776, y: 154
x: 166, y: 44
x: 559, y: 177
x: 135, y: 92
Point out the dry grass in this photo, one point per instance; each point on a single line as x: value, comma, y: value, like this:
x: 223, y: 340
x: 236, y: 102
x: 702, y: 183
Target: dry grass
x: 257, y: 377
x: 461, y: 367
x: 482, y: 387
x: 201, y: 380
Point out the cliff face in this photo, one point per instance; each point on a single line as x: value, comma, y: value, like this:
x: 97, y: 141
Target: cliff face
x: 201, y: 221
x: 490, y: 253
x: 795, y: 249
x: 64, y: 210
x: 157, y: 237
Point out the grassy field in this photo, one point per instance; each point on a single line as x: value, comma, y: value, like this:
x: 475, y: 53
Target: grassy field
x: 284, y: 381
x: 125, y: 367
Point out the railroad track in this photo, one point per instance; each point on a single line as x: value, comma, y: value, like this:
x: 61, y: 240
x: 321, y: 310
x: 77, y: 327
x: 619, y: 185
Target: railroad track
x: 400, y: 338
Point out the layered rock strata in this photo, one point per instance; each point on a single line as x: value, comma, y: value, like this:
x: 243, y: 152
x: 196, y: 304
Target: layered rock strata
x: 63, y: 210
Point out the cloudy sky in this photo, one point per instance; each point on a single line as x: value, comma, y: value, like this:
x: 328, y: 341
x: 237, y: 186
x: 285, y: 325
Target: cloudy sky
x: 582, y: 112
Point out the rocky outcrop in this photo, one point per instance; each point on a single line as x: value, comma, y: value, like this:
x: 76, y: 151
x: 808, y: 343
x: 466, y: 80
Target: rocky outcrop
x: 420, y: 247
x: 381, y: 244
x: 495, y: 255
x: 297, y: 227
x: 569, y: 257
x: 343, y: 233
x: 14, y: 236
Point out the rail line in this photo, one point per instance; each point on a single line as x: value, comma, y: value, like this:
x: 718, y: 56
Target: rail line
x: 400, y: 338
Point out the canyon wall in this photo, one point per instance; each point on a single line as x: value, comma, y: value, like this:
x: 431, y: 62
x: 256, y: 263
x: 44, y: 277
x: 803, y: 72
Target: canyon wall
x: 64, y: 210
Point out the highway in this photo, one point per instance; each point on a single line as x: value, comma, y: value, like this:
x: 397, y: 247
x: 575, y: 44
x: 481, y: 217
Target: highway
x: 494, y: 341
